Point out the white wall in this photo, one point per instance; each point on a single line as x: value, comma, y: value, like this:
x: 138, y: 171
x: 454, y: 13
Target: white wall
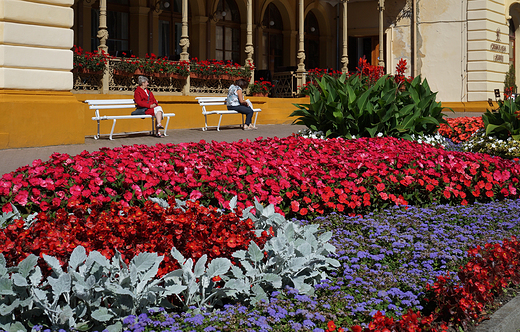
x: 35, y: 44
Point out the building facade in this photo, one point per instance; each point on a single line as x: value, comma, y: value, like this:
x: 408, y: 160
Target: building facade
x: 463, y: 48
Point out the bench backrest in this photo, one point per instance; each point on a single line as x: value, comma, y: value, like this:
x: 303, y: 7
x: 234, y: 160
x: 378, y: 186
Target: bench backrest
x: 104, y: 104
x: 100, y: 102
x: 211, y: 101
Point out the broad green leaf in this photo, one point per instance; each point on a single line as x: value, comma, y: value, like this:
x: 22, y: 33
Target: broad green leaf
x: 255, y: 252
x: 218, y: 266
x: 27, y: 265
x: 102, y: 315
x: 78, y: 256
x: 200, y: 266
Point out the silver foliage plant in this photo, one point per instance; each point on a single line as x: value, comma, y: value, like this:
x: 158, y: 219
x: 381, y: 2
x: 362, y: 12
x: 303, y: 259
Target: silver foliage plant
x: 94, y: 292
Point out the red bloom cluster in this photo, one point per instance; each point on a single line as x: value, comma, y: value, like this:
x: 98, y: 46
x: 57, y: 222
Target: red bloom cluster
x: 484, y: 277
x: 481, y: 280
x: 95, y: 61
x: 319, y: 72
x: 220, y: 67
x: 261, y: 86
x: 400, y: 69
x: 194, y: 231
x: 299, y: 176
x: 371, y: 73
x: 463, y: 128
x: 409, y: 322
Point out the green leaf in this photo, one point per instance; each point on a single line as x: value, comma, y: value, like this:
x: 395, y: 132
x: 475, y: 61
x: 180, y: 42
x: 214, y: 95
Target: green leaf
x: 6, y: 286
x: 200, y: 266
x: 78, y: 257
x: 102, y: 315
x: 218, y: 267
x: 27, y: 265
x: 255, y: 252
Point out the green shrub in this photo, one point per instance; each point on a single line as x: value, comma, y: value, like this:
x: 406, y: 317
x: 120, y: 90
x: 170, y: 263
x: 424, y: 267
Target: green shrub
x: 346, y: 107
x: 503, y: 123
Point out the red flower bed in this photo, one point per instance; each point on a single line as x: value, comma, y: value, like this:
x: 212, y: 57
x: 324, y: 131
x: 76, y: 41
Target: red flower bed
x: 459, y: 303
x: 194, y: 231
x: 463, y: 128
x: 299, y: 176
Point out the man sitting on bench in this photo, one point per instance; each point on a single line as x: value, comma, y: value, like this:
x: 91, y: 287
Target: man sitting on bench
x: 146, y: 102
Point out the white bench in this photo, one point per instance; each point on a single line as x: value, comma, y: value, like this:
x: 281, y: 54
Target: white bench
x: 103, y: 104
x: 206, y: 102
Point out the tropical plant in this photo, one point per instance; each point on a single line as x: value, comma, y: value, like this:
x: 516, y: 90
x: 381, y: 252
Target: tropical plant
x: 503, y: 123
x: 347, y: 107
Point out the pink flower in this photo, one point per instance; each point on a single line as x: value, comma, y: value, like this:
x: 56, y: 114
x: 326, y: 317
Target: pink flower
x: 75, y: 190
x: 195, y: 195
x: 21, y: 198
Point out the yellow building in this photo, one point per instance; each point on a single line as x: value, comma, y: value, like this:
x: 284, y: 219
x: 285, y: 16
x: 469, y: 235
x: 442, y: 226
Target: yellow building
x: 464, y: 49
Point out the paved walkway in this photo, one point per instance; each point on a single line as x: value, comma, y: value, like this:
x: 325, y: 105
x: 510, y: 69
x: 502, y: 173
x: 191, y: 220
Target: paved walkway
x: 11, y: 159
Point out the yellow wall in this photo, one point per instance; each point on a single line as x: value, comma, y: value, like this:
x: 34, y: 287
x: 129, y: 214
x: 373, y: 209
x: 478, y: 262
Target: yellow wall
x: 40, y: 118
x: 43, y: 118
x: 188, y: 113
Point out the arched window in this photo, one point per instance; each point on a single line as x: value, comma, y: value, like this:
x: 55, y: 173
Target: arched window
x: 272, y: 55
x: 227, y: 33
x: 312, y: 42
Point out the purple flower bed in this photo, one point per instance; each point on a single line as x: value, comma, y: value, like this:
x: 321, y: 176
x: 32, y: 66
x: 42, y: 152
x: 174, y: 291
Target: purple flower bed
x: 387, y: 260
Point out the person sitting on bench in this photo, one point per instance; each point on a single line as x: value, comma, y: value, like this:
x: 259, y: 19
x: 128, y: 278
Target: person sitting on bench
x: 144, y: 98
x: 236, y: 102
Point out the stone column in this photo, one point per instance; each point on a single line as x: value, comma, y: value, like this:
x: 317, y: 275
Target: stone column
x: 300, y: 72
x: 103, y: 36
x: 185, y: 41
x: 249, y: 41
x: 381, y: 8
x: 103, y: 32
x: 344, y: 57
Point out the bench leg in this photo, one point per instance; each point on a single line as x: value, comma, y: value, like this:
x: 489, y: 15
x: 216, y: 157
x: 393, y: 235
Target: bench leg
x: 97, y: 136
x: 166, y: 127
x: 205, y: 123
x: 218, y: 127
x: 112, y: 131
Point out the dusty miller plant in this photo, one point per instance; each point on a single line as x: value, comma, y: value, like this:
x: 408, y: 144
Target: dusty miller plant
x: 96, y: 293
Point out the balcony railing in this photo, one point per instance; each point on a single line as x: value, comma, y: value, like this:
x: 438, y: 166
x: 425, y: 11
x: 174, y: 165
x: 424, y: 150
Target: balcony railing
x: 115, y: 81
